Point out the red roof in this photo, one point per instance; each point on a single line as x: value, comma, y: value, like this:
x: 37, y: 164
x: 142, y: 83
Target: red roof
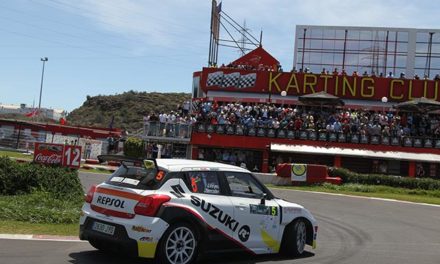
x: 257, y: 57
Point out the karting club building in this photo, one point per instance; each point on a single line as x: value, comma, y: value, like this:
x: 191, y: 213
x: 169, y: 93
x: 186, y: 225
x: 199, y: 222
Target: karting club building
x: 369, y: 69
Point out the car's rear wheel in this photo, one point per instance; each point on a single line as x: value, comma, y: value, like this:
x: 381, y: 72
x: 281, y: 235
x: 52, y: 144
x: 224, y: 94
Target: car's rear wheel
x: 178, y: 245
x: 294, y: 239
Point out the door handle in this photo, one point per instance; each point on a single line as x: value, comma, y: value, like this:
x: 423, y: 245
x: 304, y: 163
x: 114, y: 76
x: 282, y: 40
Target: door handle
x: 241, y: 207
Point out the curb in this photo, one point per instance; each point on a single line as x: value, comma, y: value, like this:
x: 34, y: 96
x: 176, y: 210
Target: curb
x: 40, y: 237
x: 99, y: 167
x: 94, y: 164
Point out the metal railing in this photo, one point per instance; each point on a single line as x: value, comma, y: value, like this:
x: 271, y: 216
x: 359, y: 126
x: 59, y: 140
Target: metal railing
x: 157, y: 129
x: 356, y: 138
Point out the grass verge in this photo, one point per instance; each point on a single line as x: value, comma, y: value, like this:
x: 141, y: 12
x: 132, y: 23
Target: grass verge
x: 16, y: 154
x: 39, y: 213
x: 379, y: 191
x: 19, y: 227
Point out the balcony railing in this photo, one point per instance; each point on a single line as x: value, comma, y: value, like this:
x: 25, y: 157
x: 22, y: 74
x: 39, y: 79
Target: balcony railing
x: 157, y: 129
x: 240, y: 130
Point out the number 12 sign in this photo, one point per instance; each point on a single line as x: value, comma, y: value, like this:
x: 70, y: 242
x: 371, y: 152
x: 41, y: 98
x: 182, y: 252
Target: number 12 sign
x: 72, y: 156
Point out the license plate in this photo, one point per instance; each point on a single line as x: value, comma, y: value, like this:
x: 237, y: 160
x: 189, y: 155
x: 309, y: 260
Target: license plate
x: 103, y: 228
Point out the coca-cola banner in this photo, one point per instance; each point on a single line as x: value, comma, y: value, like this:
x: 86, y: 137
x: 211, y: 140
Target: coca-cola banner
x: 57, y: 154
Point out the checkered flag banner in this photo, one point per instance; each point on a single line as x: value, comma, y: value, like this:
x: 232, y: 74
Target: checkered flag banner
x: 247, y: 80
x: 231, y: 80
x: 215, y: 79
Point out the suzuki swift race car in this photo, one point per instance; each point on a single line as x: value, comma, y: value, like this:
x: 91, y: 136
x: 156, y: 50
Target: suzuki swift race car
x: 173, y: 210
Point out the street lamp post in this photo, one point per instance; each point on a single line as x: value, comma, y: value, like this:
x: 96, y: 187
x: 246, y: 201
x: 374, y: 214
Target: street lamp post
x: 283, y: 94
x: 384, y: 101
x: 41, y: 86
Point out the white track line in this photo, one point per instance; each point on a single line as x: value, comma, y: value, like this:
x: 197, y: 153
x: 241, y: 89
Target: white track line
x: 361, y: 197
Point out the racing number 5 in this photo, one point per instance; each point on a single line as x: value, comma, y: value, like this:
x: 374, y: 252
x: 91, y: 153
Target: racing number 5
x: 72, y: 156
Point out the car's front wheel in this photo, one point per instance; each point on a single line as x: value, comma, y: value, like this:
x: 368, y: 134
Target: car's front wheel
x: 294, y: 239
x: 178, y: 245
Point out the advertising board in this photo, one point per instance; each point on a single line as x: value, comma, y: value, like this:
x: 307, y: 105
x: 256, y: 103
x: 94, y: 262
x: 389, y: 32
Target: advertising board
x: 57, y: 154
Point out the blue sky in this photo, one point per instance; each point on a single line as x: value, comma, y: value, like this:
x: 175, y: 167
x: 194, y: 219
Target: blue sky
x: 112, y: 46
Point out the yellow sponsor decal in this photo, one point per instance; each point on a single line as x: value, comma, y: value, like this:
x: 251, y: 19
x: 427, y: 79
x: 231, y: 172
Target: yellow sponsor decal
x: 146, y: 249
x: 141, y: 229
x: 269, y: 241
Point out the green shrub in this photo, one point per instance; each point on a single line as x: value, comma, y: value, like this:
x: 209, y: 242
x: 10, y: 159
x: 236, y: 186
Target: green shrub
x: 134, y: 147
x: 348, y: 176
x: 23, y: 178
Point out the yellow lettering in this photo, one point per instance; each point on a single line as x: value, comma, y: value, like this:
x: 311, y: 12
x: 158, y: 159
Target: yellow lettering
x: 410, y: 97
x: 325, y: 77
x: 425, y: 90
x: 273, y: 80
x: 365, y: 88
x: 392, y: 95
x: 294, y: 85
x: 309, y: 84
x: 436, y: 91
x: 346, y: 83
x: 336, y: 85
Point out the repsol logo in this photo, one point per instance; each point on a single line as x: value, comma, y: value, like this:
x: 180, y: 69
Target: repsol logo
x: 110, y: 201
x: 222, y: 217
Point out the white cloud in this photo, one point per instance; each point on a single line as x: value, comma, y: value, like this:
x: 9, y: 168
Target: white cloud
x: 153, y: 23
x: 182, y: 26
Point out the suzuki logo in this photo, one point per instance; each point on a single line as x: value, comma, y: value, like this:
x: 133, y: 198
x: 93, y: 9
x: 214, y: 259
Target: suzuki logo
x: 244, y: 233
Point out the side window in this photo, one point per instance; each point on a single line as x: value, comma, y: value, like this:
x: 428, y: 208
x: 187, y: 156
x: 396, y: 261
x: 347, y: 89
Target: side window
x: 243, y: 185
x: 204, y: 182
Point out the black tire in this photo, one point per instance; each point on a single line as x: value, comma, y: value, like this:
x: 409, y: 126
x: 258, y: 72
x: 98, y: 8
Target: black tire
x: 179, y: 244
x: 294, y: 239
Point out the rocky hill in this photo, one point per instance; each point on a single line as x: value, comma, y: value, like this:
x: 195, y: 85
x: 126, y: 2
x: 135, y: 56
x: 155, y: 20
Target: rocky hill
x: 126, y: 110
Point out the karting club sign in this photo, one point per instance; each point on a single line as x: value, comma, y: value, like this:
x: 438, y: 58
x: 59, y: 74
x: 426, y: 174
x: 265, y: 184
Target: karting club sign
x: 297, y: 84
x: 57, y: 154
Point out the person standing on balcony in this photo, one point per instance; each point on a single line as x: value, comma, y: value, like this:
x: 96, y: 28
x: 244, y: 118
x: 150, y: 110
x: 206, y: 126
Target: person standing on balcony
x: 171, y: 122
x: 146, y: 120
x: 153, y: 120
x: 163, y: 120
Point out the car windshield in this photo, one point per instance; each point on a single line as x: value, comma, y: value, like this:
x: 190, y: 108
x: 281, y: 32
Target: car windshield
x: 134, y: 177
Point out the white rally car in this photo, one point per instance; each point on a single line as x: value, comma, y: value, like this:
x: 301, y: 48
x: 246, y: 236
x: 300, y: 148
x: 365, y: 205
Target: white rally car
x: 172, y: 210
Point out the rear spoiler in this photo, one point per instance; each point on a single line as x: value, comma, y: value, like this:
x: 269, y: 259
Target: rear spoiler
x: 121, y: 158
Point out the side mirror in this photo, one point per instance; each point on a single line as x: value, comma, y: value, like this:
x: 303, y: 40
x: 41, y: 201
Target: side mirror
x: 263, y: 199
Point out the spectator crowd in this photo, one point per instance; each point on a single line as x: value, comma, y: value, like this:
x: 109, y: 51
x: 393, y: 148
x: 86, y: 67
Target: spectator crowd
x: 300, y: 118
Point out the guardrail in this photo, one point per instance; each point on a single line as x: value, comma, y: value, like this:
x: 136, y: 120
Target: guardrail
x: 240, y: 130
x: 20, y: 138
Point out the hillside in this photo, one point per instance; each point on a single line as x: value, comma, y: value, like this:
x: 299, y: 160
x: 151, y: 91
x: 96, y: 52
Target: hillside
x: 127, y: 109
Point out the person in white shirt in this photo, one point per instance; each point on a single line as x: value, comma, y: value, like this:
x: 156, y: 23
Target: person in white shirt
x: 163, y: 120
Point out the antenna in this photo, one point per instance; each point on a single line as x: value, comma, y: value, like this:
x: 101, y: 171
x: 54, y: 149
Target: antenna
x: 242, y: 40
x: 220, y: 19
